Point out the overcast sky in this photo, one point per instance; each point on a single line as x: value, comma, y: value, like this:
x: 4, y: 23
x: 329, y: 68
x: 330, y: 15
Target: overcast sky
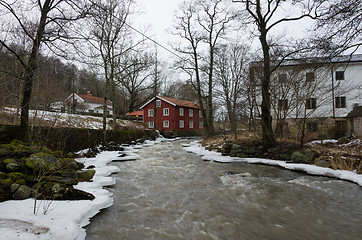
x: 159, y: 15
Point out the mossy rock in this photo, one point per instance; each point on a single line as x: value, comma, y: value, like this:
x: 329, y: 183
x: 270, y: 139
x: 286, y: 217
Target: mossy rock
x: 85, y: 175
x: 15, y: 176
x: 15, y: 165
x: 22, y: 192
x: 303, y: 157
x: 70, y: 163
x: 59, y: 191
x: 43, y: 162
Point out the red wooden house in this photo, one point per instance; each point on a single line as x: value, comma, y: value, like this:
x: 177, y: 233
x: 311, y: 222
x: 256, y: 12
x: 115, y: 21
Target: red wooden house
x: 172, y: 114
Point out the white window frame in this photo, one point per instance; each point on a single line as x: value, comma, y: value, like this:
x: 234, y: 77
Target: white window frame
x: 201, y: 125
x: 191, y: 112
x: 151, y: 124
x: 200, y: 114
x: 182, y: 124
x: 158, y: 103
x: 181, y: 112
x: 166, y: 124
x: 150, y: 112
x: 191, y: 124
x: 166, y: 112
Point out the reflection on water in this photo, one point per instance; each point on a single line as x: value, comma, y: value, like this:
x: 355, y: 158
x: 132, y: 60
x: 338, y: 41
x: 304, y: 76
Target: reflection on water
x: 171, y: 194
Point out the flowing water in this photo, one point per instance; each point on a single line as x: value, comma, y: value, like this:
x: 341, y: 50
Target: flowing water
x: 171, y: 194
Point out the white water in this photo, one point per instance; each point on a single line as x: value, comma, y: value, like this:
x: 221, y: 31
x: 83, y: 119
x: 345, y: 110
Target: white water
x: 171, y: 194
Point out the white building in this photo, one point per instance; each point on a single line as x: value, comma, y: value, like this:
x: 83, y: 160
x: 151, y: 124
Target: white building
x: 315, y: 89
x: 88, y: 103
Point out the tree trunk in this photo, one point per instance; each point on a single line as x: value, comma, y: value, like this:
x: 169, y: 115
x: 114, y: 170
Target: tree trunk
x: 29, y: 73
x: 266, y: 119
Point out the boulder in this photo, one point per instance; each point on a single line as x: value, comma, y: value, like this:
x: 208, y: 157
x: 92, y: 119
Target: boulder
x: 43, y: 162
x: 22, y: 192
x: 303, y: 157
x: 14, y: 165
x: 226, y: 148
x: 236, y: 150
x: 85, y: 175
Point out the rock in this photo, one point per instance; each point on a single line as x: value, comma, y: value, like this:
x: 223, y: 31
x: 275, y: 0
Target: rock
x: 59, y: 191
x: 23, y: 192
x: 303, y: 157
x: 250, y: 150
x: 14, y: 187
x: 43, y: 161
x: 235, y: 150
x: 15, y: 165
x: 85, y: 175
x: 323, y: 163
x: 90, y: 167
x: 226, y: 148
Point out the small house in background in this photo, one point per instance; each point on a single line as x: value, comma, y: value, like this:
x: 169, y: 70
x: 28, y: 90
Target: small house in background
x: 172, y: 114
x: 88, y: 103
x: 136, y: 114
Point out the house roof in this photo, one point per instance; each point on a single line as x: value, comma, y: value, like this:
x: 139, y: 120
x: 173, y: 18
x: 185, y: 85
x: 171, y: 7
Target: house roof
x: 175, y: 102
x: 92, y: 99
x: 135, y: 113
x: 314, y: 60
x: 356, y: 112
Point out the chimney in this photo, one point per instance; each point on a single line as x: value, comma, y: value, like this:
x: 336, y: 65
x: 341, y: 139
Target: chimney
x: 89, y: 93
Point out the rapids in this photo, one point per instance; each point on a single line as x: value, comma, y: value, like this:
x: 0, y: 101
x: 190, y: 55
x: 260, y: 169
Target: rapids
x: 172, y: 194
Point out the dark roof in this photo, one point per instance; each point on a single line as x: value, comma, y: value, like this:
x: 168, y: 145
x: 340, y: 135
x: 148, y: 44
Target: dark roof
x: 175, y: 102
x: 135, y: 113
x: 315, y: 60
x: 356, y: 112
x: 92, y: 99
x: 181, y: 103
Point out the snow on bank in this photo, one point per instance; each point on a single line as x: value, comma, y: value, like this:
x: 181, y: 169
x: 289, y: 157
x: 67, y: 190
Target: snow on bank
x: 196, y: 147
x: 65, y: 219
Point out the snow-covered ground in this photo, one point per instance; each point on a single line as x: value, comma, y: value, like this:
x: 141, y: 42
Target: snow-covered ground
x: 196, y: 147
x: 65, y: 219
x: 57, y: 119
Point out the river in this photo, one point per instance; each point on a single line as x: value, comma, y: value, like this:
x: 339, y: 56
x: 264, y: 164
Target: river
x: 172, y: 194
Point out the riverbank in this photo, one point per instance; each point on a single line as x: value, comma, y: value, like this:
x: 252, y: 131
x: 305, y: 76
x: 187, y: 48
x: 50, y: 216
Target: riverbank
x: 342, y: 154
x: 207, y: 155
x: 65, y: 219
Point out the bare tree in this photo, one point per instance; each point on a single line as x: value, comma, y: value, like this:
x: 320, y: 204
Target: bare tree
x: 133, y: 76
x: 110, y: 32
x: 202, y: 24
x: 338, y: 27
x: 267, y: 15
x: 48, y: 23
x: 231, y: 75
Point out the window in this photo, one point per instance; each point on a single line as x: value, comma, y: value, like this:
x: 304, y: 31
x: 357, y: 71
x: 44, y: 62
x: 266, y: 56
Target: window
x: 166, y: 112
x: 309, y: 76
x: 191, y: 112
x: 182, y: 124
x: 158, y: 103
x: 200, y: 114
x: 151, y: 125
x: 311, y: 103
x: 282, y: 104
x: 339, y: 75
x: 283, y: 78
x: 181, y: 111
x: 312, y: 127
x: 340, y: 102
x: 191, y: 124
x: 150, y: 112
x: 201, y: 125
x: 166, y: 124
